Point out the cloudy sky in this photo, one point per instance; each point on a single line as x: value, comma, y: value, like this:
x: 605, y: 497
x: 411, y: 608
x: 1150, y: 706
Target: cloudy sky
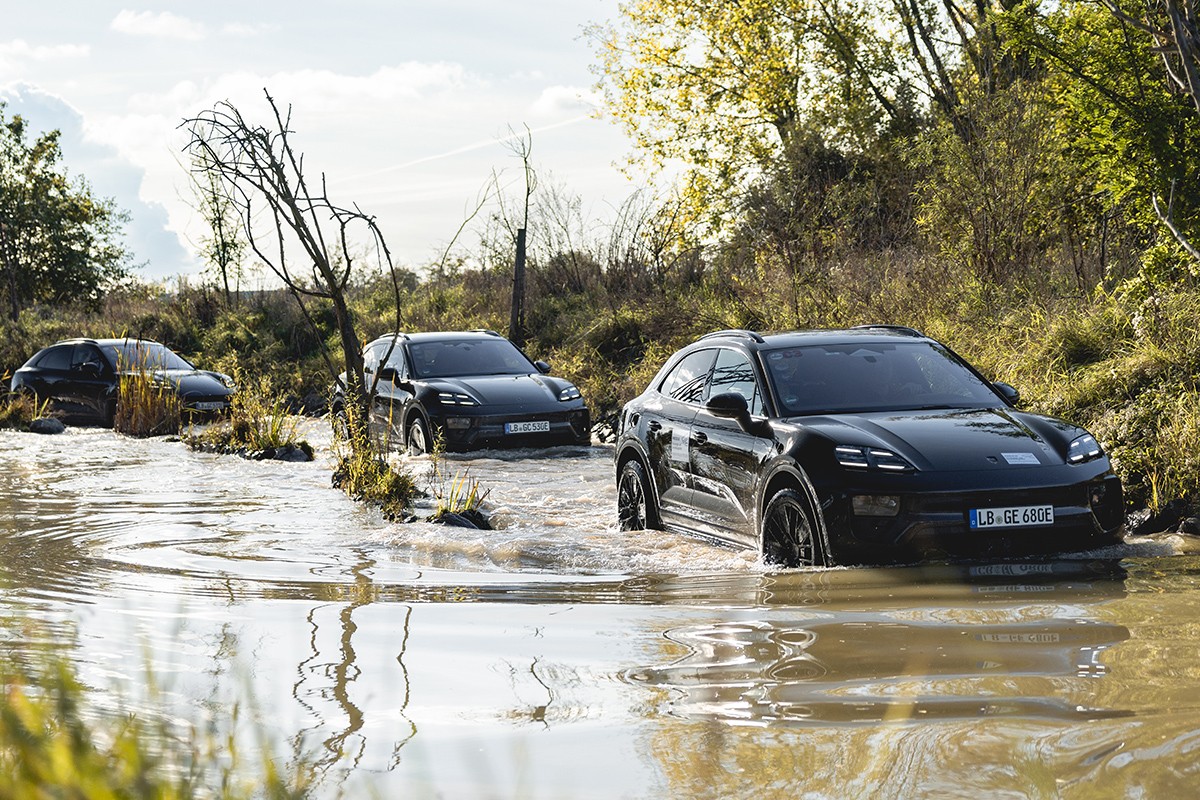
x: 401, y: 104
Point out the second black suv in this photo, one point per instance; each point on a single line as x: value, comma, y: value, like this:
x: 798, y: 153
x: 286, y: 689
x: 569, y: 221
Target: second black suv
x: 868, y: 445
x: 475, y: 389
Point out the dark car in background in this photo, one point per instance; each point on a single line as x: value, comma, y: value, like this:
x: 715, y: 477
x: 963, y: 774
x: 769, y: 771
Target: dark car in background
x: 80, y: 377
x: 861, y: 446
x: 475, y: 389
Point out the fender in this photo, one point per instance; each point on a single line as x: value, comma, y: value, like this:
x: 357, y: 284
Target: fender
x: 641, y: 455
x: 788, y: 467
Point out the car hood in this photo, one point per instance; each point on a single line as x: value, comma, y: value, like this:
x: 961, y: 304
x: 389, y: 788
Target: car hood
x: 955, y: 439
x: 507, y: 392
x: 194, y: 383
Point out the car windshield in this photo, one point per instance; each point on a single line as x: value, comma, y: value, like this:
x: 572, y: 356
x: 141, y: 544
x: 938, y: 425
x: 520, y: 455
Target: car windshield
x: 140, y: 355
x: 891, y: 376
x: 462, y: 357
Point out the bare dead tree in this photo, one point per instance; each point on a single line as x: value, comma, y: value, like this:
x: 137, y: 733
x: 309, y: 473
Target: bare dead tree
x: 302, y: 236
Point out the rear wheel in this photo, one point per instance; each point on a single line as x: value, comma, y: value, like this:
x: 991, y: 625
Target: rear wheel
x: 417, y: 440
x: 789, y: 531
x: 635, y: 504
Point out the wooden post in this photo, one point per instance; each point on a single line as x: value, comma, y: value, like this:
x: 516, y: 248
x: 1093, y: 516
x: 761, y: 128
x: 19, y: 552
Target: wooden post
x: 516, y: 321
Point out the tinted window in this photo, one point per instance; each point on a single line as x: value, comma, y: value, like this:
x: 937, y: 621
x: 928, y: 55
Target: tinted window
x: 56, y: 358
x: 873, y: 377
x: 686, y: 380
x: 136, y: 354
x: 452, y: 359
x: 734, y: 373
x: 87, y: 354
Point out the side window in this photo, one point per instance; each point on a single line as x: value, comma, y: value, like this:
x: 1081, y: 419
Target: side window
x: 396, y: 360
x: 85, y: 354
x: 56, y: 358
x: 734, y: 373
x: 686, y: 381
x: 371, y: 359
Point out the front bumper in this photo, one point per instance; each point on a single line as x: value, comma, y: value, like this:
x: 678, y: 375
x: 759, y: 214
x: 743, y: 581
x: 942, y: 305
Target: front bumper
x: 936, y: 525
x: 462, y: 432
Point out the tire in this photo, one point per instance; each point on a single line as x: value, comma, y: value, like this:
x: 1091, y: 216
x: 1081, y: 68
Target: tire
x: 635, y: 502
x: 416, y: 438
x: 789, y: 531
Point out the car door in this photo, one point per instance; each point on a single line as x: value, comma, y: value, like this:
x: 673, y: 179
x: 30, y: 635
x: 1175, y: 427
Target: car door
x: 726, y: 461
x: 91, y: 380
x: 51, y: 378
x: 667, y: 417
x: 386, y: 368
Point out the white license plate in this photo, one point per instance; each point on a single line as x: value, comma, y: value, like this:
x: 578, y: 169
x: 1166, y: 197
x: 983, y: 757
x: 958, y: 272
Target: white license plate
x: 1012, y: 517
x: 538, y: 426
x: 208, y: 405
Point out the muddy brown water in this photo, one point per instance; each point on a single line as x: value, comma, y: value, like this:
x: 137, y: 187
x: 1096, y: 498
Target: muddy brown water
x: 557, y: 657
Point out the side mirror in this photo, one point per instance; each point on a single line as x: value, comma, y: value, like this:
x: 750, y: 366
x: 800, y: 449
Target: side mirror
x: 389, y: 375
x: 542, y: 367
x: 1008, y: 392
x: 731, y: 405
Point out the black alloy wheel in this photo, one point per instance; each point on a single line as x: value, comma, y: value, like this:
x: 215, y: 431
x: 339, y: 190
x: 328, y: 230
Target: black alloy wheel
x: 788, y: 533
x: 417, y: 440
x: 635, y: 507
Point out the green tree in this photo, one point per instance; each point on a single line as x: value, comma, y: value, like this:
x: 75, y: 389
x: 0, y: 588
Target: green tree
x: 729, y: 89
x: 58, y: 243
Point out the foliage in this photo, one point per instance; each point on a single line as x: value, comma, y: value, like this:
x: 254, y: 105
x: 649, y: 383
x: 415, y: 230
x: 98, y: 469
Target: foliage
x: 147, y: 405
x: 18, y: 409
x: 58, y: 243
x: 259, y: 420
x: 362, y: 472
x: 50, y: 746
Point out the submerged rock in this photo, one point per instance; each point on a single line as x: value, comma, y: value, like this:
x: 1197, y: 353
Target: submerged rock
x: 466, y: 519
x: 47, y: 425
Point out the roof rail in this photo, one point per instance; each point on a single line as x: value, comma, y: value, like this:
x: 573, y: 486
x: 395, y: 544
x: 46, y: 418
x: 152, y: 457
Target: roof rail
x: 483, y: 330
x: 736, y: 332
x: 904, y: 329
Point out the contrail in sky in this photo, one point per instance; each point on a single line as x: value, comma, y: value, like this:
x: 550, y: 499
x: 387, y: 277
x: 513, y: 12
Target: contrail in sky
x: 465, y: 149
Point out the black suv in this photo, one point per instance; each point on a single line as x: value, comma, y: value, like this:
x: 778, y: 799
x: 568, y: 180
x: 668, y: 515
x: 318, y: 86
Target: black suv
x: 868, y: 445
x: 81, y: 377
x: 473, y: 388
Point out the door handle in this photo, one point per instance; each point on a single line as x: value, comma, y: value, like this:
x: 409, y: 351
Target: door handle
x: 700, y: 438
x: 654, y: 425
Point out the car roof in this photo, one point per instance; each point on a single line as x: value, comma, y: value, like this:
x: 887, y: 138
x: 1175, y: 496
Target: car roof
x: 437, y: 336
x: 862, y: 333
x: 103, y: 342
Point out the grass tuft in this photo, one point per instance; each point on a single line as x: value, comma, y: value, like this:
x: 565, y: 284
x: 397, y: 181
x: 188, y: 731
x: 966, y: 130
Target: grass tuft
x: 146, y: 406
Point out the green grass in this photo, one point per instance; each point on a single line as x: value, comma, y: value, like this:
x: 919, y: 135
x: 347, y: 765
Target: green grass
x: 146, y: 406
x: 52, y: 746
x: 18, y: 409
x: 259, y: 421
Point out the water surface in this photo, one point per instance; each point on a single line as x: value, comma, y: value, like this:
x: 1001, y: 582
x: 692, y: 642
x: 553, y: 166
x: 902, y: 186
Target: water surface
x: 558, y: 657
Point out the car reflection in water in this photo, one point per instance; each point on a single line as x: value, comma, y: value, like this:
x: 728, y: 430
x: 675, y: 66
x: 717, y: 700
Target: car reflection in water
x: 955, y: 663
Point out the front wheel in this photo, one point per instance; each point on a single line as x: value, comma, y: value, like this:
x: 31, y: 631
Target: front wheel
x: 417, y: 440
x: 635, y: 504
x: 789, y: 535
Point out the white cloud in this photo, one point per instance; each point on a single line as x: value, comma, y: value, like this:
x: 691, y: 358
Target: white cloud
x: 164, y: 25
x: 18, y: 51
x: 19, y: 48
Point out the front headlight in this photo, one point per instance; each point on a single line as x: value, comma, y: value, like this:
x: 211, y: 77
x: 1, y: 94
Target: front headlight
x: 225, y: 380
x: 456, y: 399
x: 569, y: 393
x: 871, y: 458
x: 1083, y: 448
